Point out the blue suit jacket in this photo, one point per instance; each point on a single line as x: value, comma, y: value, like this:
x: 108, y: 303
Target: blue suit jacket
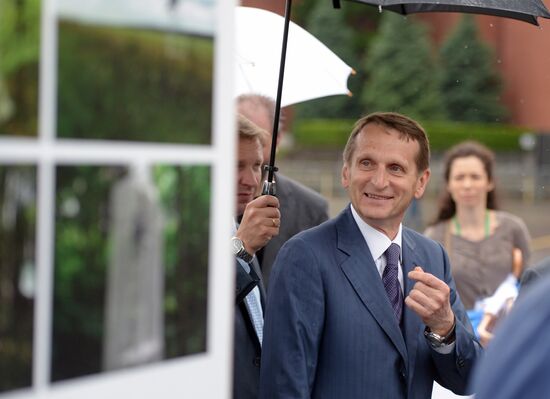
x: 330, y: 331
x: 301, y: 208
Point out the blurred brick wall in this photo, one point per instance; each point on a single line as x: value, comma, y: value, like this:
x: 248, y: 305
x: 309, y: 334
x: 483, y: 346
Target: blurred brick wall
x: 522, y: 52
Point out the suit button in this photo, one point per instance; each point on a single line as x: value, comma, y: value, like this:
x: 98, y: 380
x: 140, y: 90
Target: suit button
x: 257, y: 361
x: 460, y: 362
x: 403, y: 374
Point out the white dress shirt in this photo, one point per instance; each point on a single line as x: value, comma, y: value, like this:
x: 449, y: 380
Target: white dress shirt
x: 378, y: 243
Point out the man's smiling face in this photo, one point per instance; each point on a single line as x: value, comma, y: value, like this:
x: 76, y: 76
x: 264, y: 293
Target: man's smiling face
x: 382, y: 177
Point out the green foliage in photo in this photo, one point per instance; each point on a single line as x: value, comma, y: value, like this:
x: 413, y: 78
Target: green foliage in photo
x: 83, y: 241
x: 185, y: 196
x: 17, y: 275
x: 81, y: 259
x: 131, y: 84
x: 19, y: 63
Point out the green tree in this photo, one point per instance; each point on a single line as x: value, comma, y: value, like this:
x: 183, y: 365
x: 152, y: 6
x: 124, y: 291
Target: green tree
x: 401, y: 70
x: 329, y: 25
x: 469, y: 79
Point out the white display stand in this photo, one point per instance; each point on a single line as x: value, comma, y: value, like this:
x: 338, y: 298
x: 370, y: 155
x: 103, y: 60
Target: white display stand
x: 205, y: 375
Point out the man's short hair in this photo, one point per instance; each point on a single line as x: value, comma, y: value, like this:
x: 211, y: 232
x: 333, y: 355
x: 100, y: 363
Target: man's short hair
x: 408, y: 129
x: 250, y: 131
x: 265, y: 103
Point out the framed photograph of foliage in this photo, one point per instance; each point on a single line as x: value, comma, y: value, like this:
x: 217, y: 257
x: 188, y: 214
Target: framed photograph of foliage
x: 135, y: 70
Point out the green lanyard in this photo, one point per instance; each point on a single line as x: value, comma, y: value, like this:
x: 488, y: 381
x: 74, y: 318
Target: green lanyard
x: 457, y: 225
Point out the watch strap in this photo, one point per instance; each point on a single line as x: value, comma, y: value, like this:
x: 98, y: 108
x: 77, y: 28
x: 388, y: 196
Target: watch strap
x: 245, y: 255
x: 241, y: 253
x: 437, y: 340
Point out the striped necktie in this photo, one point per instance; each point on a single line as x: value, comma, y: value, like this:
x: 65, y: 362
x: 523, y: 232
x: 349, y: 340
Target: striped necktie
x: 391, y: 280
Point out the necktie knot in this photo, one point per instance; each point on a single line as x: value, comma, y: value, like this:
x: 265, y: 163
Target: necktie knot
x: 392, y: 254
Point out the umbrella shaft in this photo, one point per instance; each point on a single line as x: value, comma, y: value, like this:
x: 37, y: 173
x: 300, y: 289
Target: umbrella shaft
x: 279, y: 93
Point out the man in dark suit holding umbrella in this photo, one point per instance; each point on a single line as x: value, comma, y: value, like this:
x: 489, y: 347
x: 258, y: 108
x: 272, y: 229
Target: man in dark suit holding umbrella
x: 257, y: 221
x: 301, y: 208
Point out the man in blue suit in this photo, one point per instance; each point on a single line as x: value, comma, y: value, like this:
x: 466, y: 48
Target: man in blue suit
x: 360, y: 306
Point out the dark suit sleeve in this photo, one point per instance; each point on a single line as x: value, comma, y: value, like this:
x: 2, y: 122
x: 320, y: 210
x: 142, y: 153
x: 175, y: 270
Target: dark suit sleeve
x: 528, y: 278
x: 533, y: 274
x: 293, y: 325
x: 454, y: 369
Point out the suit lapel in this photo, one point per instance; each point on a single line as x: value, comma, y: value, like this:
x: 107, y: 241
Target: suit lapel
x: 361, y: 272
x: 255, y: 266
x: 412, y: 322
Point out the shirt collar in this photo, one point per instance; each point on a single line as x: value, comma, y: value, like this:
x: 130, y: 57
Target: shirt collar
x: 377, y: 241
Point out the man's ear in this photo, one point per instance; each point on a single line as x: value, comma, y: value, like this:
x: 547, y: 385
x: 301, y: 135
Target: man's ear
x: 422, y: 182
x: 345, y: 176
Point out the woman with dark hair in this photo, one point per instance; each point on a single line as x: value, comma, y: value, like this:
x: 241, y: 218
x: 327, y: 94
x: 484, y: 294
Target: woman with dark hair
x: 487, y: 246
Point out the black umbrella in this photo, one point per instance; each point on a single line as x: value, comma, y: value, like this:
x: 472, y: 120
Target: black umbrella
x: 523, y: 10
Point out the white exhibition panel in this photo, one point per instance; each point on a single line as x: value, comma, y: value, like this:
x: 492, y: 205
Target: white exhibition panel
x: 205, y: 375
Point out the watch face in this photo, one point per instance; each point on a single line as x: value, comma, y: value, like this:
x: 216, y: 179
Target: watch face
x: 236, y: 245
x: 434, y: 339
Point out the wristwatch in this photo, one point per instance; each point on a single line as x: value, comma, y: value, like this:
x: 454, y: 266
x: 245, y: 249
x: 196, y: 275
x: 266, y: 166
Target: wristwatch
x: 239, y: 250
x: 436, y: 340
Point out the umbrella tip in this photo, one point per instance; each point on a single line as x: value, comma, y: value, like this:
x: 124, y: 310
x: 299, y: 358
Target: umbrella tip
x: 350, y: 94
x: 353, y: 71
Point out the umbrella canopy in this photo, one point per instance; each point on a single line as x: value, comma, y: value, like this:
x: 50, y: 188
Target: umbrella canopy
x: 312, y: 70
x: 523, y: 10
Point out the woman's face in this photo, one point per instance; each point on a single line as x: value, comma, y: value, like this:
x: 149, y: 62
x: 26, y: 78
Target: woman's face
x: 468, y: 182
